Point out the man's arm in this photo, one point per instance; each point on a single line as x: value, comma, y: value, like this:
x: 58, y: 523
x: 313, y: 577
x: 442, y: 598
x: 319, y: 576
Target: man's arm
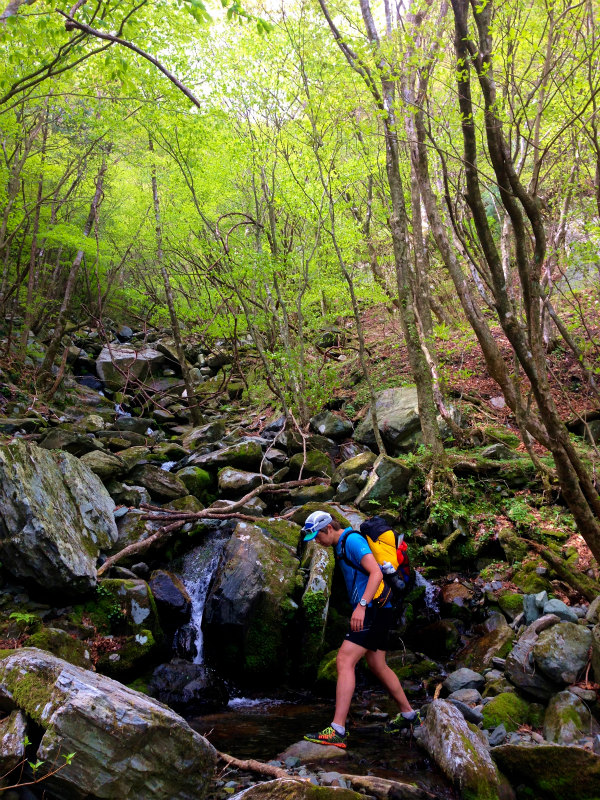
x: 368, y: 563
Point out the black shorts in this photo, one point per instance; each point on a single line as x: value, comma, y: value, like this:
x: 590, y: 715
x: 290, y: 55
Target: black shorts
x: 375, y: 633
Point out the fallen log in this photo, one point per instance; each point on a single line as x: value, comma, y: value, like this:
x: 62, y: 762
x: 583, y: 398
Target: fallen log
x: 178, y: 519
x: 586, y: 586
x: 251, y: 765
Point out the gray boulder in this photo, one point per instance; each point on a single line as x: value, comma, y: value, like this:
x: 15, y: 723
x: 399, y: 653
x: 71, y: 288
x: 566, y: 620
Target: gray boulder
x: 561, y: 652
x: 237, y: 481
x: 55, y: 518
x: 460, y: 753
x: 315, y: 601
x: 125, y: 744
x: 205, y: 434
x: 533, y: 606
x: 521, y: 668
x: 13, y: 730
x: 568, y: 719
x: 388, y: 478
x: 464, y: 678
x: 104, y: 465
x: 562, y: 610
x: 162, y: 485
x: 118, y: 363
x: 329, y: 424
x: 593, y: 612
x: 71, y: 441
x: 249, y: 611
x: 354, y: 466
x: 244, y: 455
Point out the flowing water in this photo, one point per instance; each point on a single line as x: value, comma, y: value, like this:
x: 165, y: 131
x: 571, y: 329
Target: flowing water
x: 198, y: 568
x: 431, y: 593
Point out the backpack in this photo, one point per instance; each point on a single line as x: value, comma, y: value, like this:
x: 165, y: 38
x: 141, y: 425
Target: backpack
x: 386, y: 545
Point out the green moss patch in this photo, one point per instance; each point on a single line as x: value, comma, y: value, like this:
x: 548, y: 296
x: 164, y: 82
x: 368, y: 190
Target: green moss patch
x: 508, y: 709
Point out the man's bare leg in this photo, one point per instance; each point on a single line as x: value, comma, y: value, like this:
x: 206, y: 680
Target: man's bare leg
x: 379, y: 668
x: 348, y: 657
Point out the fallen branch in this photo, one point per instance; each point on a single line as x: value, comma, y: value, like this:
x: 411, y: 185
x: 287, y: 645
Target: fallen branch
x: 586, y: 586
x: 178, y: 519
x: 260, y: 767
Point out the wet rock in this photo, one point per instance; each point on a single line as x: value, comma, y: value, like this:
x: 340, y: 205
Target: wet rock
x: 118, y: 363
x: 238, y: 482
x: 162, y: 485
x: 13, y: 730
x: 561, y: 610
x: 561, y: 652
x: 249, y: 610
x: 461, y: 754
x: 310, y: 751
x: 329, y: 424
x: 126, y: 744
x: 567, y: 719
x: 567, y: 773
x: 56, y: 516
x: 389, y: 477
x: 104, y: 465
x: 440, y: 638
x: 189, y: 689
x: 290, y: 789
x: 171, y: 597
x: 315, y: 601
x: 520, y: 665
x: 464, y: 679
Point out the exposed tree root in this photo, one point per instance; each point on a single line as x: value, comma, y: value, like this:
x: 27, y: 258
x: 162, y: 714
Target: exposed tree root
x: 251, y: 765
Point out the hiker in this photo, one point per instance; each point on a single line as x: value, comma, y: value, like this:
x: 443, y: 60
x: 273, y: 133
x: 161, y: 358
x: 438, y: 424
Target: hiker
x: 369, y: 628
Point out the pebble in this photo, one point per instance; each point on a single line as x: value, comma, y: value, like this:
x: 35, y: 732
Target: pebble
x: 291, y: 761
x: 470, y: 714
x: 332, y: 779
x: 498, y: 735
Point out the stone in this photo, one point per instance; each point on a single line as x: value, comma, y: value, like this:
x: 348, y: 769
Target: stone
x: 464, y: 679
x: 331, y: 425
x: 56, y: 517
x: 172, y: 599
x: 311, y: 494
x: 118, y: 363
x: 238, y: 482
x: 374, y: 786
x: 134, y: 456
x: 13, y: 730
x: 493, y: 638
x: 126, y: 744
x: 561, y: 610
x: 104, y: 465
x: 507, y: 709
x: 389, y: 478
x: 470, y: 714
x: 313, y: 464
x: 320, y: 562
x: 461, y: 754
x: 135, y: 602
x: 561, y: 652
x: 498, y: 452
x: 196, y: 480
x: 244, y: 455
x: 70, y: 441
x: 310, y: 751
x: 550, y: 770
x: 497, y: 736
x: 189, y: 689
x: 567, y: 719
x: 62, y: 645
x: 349, y: 488
x: 162, y: 485
x: 354, y: 466
x: 211, y: 432
x: 511, y: 604
x: 520, y: 665
x: 21, y: 425
x: 291, y: 789
x: 593, y: 612
x: 138, y: 425
x: 91, y: 423
x: 440, y: 638
x: 533, y: 606
x: 596, y: 651
x: 469, y: 696
x: 251, y: 600
x: 132, y: 527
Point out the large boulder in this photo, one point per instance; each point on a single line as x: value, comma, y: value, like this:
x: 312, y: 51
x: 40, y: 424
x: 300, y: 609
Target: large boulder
x: 550, y: 771
x: 568, y: 719
x: 460, y: 753
x: 329, y: 424
x: 315, y: 601
x: 388, y: 478
x: 125, y: 744
x: 55, y: 517
x: 189, y: 689
x: 249, y: 609
x: 118, y: 363
x: 521, y: 668
x: 495, y: 641
x: 162, y: 485
x: 243, y: 455
x: 561, y: 652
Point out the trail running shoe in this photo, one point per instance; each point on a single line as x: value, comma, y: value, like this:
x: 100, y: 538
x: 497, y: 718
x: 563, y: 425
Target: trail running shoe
x: 400, y: 723
x: 328, y: 736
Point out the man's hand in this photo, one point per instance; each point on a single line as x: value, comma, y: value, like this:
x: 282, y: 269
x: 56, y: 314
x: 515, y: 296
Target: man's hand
x: 357, y: 619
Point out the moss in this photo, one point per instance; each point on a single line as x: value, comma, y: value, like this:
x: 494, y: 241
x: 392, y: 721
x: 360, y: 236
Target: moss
x: 327, y: 668
x: 282, y: 530
x: 135, y: 653
x: 511, y: 603
x: 6, y: 653
x: 508, y: 709
x: 502, y: 435
x: 528, y: 581
x: 317, y: 464
x: 420, y: 669
x: 60, y: 644
x: 30, y: 691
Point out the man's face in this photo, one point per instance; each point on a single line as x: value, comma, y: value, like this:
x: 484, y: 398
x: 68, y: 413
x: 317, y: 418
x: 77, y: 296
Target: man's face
x: 323, y: 536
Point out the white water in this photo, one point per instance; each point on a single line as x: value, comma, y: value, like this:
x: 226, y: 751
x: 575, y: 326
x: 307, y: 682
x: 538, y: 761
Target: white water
x: 247, y: 702
x: 168, y: 465
x: 199, y: 566
x: 430, y: 592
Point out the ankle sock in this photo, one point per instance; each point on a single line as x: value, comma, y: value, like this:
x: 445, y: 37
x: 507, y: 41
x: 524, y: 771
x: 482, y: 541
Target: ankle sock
x: 338, y: 729
x: 409, y: 714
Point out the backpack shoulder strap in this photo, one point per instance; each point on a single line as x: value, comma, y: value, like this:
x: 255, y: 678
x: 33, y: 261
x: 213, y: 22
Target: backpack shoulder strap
x: 346, y: 533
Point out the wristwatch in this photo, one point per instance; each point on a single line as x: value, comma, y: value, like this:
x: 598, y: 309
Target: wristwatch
x: 362, y: 602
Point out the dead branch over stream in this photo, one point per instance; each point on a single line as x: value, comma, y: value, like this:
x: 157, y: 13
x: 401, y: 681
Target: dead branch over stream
x: 177, y: 519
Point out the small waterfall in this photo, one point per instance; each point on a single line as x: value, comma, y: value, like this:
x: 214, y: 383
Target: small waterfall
x: 199, y: 566
x: 431, y: 593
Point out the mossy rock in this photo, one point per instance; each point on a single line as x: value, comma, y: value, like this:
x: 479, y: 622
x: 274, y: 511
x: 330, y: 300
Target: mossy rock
x: 186, y: 503
x: 417, y: 670
x: 299, y: 516
x: 515, y: 548
x: 121, y: 607
x: 528, y: 581
x: 317, y: 464
x: 327, y: 672
x: 511, y: 604
x: 61, y: 644
x: 283, y: 530
x: 135, y: 653
x: 508, y: 709
x: 502, y: 435
x: 312, y: 494
x: 196, y: 480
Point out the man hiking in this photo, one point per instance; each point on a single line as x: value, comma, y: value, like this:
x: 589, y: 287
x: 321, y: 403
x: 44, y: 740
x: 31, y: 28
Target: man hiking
x: 369, y: 628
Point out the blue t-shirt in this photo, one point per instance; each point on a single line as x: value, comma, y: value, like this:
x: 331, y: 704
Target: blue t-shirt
x: 356, y: 548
